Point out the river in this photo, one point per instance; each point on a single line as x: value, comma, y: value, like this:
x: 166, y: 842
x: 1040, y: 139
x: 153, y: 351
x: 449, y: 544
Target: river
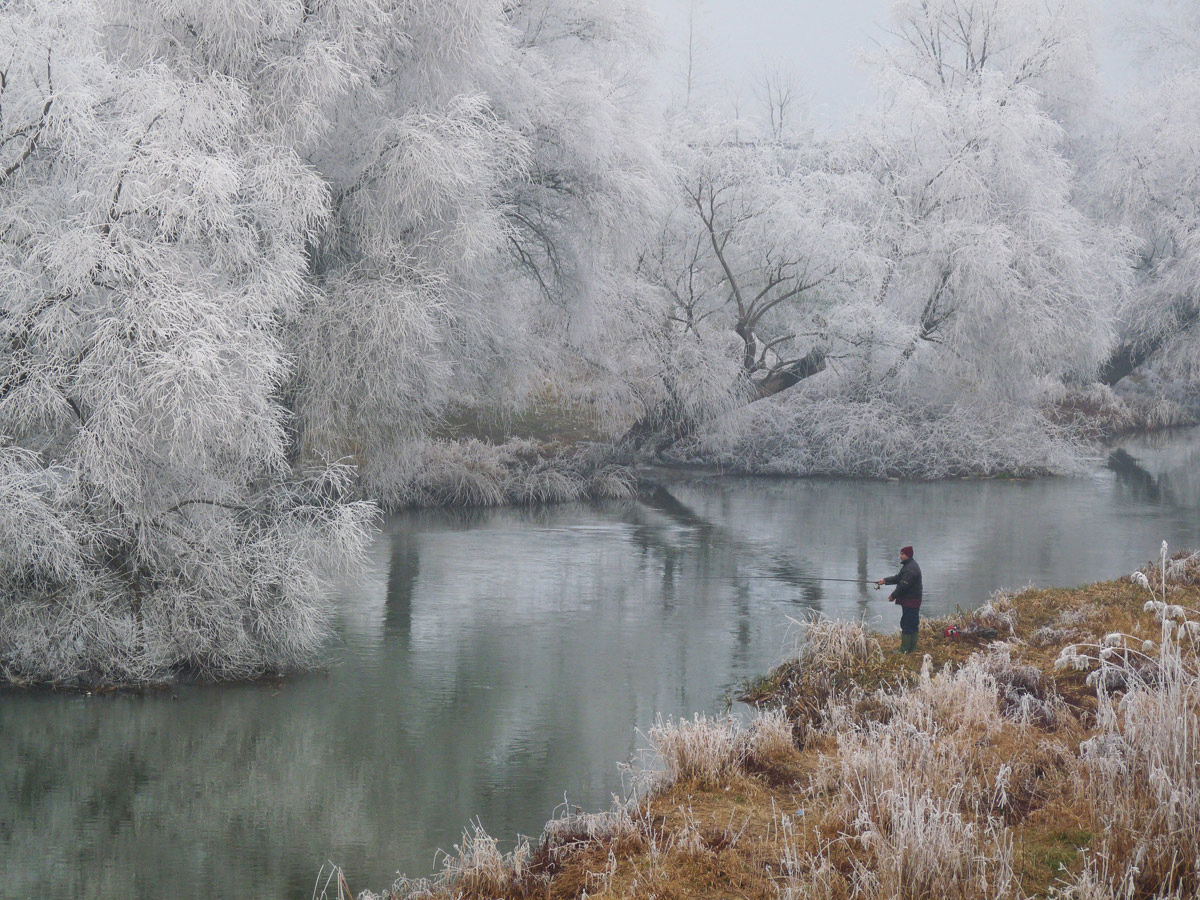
x: 490, y: 663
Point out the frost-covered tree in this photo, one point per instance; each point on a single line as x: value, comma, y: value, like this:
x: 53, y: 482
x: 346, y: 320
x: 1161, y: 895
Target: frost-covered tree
x: 1145, y: 178
x: 970, y: 287
x: 761, y: 244
x: 1151, y: 176
x: 484, y: 190
x: 151, y: 244
x: 994, y: 282
x: 485, y: 162
x: 240, y: 237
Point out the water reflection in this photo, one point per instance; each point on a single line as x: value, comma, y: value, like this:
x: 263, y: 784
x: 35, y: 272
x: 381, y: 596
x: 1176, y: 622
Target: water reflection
x: 490, y: 661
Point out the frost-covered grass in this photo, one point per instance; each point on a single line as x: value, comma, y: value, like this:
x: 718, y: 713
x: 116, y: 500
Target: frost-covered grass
x: 1145, y: 402
x: 982, y: 770
x: 884, y: 439
x: 709, y: 752
x: 471, y: 472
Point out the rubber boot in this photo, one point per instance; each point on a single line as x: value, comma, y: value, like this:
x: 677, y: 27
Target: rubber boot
x: 908, y: 643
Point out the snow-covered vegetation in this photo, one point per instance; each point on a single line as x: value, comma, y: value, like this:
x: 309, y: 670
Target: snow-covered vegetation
x: 256, y: 257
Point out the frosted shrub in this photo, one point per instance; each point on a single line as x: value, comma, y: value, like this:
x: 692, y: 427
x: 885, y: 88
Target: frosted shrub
x: 834, y: 643
x: 478, y: 867
x: 476, y: 473
x: 770, y: 734
x: 877, y: 759
x: 963, y: 698
x: 711, y: 751
x: 1025, y: 696
x: 834, y: 436
x: 577, y: 827
x: 999, y: 612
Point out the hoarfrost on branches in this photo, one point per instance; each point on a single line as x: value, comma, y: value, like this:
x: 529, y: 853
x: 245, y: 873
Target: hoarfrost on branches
x: 238, y: 240
x: 150, y: 242
x: 929, y: 266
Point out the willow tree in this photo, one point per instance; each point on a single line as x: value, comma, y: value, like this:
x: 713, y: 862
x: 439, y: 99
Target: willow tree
x: 151, y: 244
x: 931, y: 256
x: 761, y: 246
x: 484, y: 180
x: 994, y: 284
x: 1145, y: 179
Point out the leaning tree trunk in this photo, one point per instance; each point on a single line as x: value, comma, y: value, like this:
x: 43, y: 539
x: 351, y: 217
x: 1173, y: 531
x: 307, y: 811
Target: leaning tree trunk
x: 788, y: 376
x: 1133, y: 354
x: 659, y: 431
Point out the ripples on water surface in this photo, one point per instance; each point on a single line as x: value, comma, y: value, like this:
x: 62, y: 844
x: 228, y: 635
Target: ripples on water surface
x: 489, y: 661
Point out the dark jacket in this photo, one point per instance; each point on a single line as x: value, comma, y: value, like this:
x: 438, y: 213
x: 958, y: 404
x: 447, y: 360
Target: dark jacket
x: 908, y: 584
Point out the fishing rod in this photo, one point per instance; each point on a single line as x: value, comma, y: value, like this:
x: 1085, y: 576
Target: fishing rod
x: 798, y: 579
x: 819, y: 578
x: 795, y: 578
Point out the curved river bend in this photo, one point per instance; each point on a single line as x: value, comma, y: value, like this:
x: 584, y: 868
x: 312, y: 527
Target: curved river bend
x: 489, y: 661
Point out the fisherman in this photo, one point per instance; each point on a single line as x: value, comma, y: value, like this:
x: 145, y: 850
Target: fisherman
x: 908, y: 595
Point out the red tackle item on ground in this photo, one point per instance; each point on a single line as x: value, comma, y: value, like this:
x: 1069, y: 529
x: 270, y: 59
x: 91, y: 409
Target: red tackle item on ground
x: 951, y: 631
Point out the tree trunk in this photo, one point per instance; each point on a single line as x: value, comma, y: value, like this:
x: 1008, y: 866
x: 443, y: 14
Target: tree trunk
x: 782, y: 379
x: 652, y: 430
x: 1132, y: 355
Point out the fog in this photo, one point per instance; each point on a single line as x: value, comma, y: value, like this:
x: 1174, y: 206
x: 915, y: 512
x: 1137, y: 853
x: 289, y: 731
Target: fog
x: 822, y: 44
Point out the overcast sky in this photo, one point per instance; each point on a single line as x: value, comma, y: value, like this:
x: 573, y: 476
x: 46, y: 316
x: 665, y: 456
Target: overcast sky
x: 819, y: 40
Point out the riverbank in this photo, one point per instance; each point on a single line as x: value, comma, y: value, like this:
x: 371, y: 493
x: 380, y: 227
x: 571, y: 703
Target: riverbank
x: 818, y: 439
x: 1048, y: 750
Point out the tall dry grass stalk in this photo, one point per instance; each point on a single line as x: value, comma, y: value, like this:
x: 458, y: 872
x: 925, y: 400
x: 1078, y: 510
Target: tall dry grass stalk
x: 1139, y: 776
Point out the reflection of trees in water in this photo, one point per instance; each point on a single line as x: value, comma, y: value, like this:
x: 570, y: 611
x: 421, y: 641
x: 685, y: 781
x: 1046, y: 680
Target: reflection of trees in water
x: 1160, y: 469
x: 106, y: 800
x: 1143, y: 485
x: 236, y: 792
x: 716, y: 552
x: 404, y: 567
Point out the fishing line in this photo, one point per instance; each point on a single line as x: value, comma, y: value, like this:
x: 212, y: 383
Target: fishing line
x: 796, y: 579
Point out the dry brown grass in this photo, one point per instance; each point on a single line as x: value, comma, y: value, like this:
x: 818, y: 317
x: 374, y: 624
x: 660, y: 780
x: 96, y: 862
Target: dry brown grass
x: 976, y: 769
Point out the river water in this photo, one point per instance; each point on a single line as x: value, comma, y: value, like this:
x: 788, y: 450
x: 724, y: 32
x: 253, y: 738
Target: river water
x: 491, y: 663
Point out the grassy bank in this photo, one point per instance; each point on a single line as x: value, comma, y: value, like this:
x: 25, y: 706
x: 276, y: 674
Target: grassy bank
x: 1050, y: 750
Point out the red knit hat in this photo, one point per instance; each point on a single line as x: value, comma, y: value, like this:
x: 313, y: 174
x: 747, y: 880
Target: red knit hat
x: 906, y: 551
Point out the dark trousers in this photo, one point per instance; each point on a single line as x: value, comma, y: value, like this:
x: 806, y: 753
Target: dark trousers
x: 910, y: 617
